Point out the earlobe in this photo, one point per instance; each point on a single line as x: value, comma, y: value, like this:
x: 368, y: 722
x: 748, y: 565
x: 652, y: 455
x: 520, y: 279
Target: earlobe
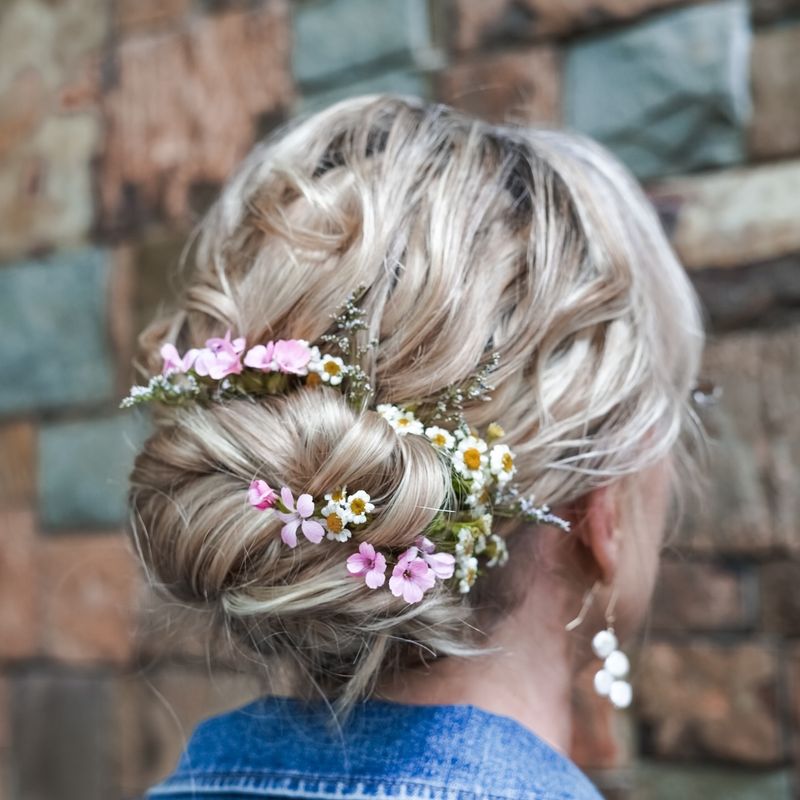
x: 599, y: 532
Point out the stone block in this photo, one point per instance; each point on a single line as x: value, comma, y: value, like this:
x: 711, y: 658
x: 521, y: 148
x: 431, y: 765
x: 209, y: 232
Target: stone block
x: 704, y: 701
x: 20, y: 600
x: 780, y: 598
x: 733, y: 217
x: 17, y: 465
x: 157, y: 712
x: 521, y: 86
x: 40, y: 301
x: 745, y: 501
x: 775, y: 75
x: 489, y: 23
x: 703, y: 597
x: 671, y: 781
x: 89, y: 585
x: 666, y: 95
x: 84, y: 467
x: 162, y: 140
x: 62, y: 740
x: 336, y: 38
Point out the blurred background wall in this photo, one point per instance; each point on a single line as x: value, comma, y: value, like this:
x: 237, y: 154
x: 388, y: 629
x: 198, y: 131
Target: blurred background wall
x: 119, y: 119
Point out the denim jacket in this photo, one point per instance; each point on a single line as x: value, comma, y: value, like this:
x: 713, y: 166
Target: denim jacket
x: 280, y: 748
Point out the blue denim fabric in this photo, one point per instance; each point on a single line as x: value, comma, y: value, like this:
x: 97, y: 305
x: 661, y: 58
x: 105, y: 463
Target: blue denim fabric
x: 277, y: 747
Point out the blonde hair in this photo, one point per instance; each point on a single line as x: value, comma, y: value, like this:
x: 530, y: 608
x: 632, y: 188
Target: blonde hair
x: 470, y: 239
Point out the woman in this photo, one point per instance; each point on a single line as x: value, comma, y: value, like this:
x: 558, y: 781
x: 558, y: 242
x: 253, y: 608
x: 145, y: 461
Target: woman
x: 419, y: 421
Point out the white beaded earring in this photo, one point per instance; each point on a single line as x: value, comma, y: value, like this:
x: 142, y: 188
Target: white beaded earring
x: 609, y: 680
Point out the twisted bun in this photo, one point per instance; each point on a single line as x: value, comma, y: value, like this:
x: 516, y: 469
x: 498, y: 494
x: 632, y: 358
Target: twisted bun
x: 469, y: 239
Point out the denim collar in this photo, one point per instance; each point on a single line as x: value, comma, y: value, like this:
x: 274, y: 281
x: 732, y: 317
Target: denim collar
x: 279, y: 747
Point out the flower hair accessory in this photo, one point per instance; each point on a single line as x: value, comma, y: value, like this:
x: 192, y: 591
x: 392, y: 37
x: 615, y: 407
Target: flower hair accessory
x: 458, y: 544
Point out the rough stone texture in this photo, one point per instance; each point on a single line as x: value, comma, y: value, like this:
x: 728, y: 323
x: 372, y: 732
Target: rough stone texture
x: 49, y: 50
x: 693, y: 596
x: 780, y: 598
x: 669, y: 782
x: 707, y: 701
x: 157, y: 712
x: 602, y: 737
x: 764, y: 294
x: 162, y: 139
x: 775, y: 76
x: 750, y: 504
x: 523, y: 86
x: 20, y: 601
x: 39, y: 302
x: 84, y: 469
x: 89, y: 585
x: 732, y: 217
x: 17, y: 465
x: 393, y: 31
x: 489, y: 23
x: 683, y: 106
x: 62, y: 737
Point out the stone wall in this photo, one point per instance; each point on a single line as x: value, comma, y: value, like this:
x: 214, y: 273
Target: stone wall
x: 118, y: 121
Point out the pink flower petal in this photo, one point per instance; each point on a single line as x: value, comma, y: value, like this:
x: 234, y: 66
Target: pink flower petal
x: 412, y: 593
x: 374, y: 579
x: 396, y: 584
x: 313, y: 531
x: 260, y: 357
x: 287, y: 497
x: 171, y: 358
x: 260, y: 495
x: 289, y: 532
x: 305, y: 505
x: 356, y: 564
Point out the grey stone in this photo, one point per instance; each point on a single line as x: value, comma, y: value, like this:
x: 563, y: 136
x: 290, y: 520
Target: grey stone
x: 669, y: 94
x: 62, y: 742
x: 53, y: 326
x: 657, y: 782
x: 332, y: 37
x: 407, y: 82
x: 83, y: 470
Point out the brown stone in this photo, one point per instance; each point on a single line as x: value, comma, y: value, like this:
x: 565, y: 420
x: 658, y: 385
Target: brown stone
x: 774, y: 78
x: 732, y: 217
x: 491, y: 22
x: 701, y: 597
x: 519, y: 86
x: 157, y: 712
x: 780, y: 597
x: 90, y: 587
x: 17, y: 465
x: 601, y: 735
x: 185, y: 107
x: 19, y: 595
x: 707, y: 701
x: 749, y: 503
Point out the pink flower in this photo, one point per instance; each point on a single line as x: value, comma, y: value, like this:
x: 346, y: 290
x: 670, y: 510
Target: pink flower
x: 260, y: 495
x: 220, y: 357
x: 369, y: 564
x: 173, y: 361
x: 260, y: 357
x: 292, y: 355
x: 299, y: 518
x: 442, y: 564
x: 411, y: 577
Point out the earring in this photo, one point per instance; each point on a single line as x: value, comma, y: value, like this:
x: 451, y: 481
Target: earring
x: 609, y: 680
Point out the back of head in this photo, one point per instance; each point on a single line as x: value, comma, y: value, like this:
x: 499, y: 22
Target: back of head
x: 468, y: 240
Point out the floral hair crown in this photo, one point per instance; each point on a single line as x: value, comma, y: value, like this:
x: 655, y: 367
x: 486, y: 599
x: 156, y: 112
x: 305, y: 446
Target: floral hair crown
x: 457, y: 544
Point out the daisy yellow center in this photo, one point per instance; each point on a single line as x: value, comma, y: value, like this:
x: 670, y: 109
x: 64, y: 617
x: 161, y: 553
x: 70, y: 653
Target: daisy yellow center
x: 357, y: 506
x: 439, y: 440
x: 312, y: 379
x: 472, y: 458
x: 332, y: 368
x: 403, y: 421
x: 508, y: 462
x: 337, y: 496
x: 334, y: 522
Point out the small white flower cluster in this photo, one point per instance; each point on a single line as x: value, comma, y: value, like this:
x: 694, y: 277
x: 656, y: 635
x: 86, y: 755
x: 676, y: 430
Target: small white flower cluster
x: 476, y: 539
x: 342, y: 509
x: 171, y: 387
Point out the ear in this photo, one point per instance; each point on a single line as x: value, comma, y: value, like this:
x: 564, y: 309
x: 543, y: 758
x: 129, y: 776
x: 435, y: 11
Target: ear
x: 598, y: 531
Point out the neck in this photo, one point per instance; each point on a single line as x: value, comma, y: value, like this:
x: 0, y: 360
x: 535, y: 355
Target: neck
x: 526, y: 673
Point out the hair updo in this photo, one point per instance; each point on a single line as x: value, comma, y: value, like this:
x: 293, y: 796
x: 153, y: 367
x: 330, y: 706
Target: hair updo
x: 470, y: 239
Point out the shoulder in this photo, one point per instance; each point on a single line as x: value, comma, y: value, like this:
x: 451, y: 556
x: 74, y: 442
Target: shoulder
x: 281, y: 748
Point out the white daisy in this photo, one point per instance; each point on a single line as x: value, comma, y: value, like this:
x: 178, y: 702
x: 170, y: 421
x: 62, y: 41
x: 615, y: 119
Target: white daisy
x: 470, y: 457
x: 464, y: 542
x: 389, y: 412
x: 499, y: 551
x: 331, y: 369
x: 358, y: 506
x: 334, y: 520
x: 337, y: 496
x: 440, y: 438
x: 501, y: 463
x: 406, y: 422
x: 466, y: 572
